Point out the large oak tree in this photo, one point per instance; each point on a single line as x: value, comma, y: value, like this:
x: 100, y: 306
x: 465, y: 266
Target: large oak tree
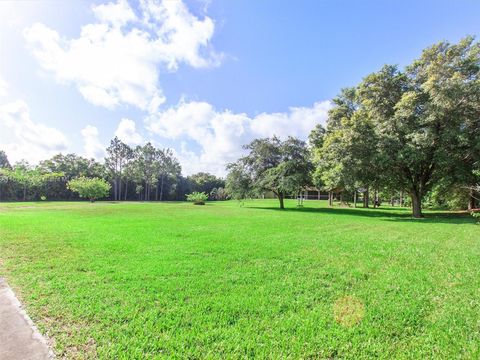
x: 410, y: 129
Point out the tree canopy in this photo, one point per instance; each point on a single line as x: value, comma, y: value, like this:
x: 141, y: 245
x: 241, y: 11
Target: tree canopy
x: 90, y: 188
x: 282, y: 167
x: 407, y: 129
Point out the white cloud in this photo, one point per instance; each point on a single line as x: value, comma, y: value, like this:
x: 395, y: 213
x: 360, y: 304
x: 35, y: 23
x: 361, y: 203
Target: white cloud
x: 117, y: 14
x: 221, y: 134
x: 127, y: 132
x: 117, y: 59
x: 298, y: 121
x: 91, y: 143
x: 31, y: 140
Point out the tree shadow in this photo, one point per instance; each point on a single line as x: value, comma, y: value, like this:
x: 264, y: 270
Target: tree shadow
x: 384, y: 214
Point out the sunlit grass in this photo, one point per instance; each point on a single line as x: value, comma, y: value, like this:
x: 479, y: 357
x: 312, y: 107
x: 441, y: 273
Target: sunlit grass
x: 136, y: 280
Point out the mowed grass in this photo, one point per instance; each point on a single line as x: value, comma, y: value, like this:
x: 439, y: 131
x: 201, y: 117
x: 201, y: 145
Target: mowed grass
x: 173, y: 280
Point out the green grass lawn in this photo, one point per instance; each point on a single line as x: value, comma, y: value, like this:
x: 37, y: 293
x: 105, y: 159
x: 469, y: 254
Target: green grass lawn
x: 148, y: 280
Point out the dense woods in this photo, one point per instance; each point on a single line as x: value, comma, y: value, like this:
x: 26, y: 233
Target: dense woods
x: 405, y: 136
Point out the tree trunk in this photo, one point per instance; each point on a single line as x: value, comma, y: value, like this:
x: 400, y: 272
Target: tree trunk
x: 355, y: 198
x: 156, y: 191
x: 330, y: 198
x: 401, y: 198
x: 126, y: 188
x: 365, y: 198
x: 416, y: 205
x: 375, y: 199
x: 161, y: 189
x: 119, y: 181
x: 280, y: 199
x: 471, y: 201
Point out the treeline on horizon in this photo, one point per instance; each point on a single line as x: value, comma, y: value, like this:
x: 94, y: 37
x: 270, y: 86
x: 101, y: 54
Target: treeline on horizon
x: 409, y: 133
x: 142, y: 173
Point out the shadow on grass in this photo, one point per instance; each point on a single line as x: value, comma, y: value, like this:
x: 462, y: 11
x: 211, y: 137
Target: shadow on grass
x: 385, y: 214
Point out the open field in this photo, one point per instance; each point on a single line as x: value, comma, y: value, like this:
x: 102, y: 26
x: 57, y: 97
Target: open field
x: 131, y: 280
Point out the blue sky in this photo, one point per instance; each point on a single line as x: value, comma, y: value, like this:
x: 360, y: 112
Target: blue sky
x: 201, y: 77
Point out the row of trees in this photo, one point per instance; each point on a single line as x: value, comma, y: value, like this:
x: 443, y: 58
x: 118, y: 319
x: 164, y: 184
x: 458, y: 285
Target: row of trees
x: 414, y: 131
x: 140, y: 173
x: 153, y: 172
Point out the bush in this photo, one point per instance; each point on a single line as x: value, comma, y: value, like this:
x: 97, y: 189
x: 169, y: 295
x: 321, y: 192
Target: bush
x: 476, y: 215
x: 89, y: 188
x: 198, y: 198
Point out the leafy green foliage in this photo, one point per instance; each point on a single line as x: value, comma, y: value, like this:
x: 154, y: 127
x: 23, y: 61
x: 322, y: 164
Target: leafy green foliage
x: 155, y: 172
x: 283, y: 167
x: 476, y: 215
x: 90, y: 188
x: 204, y: 182
x: 27, y: 179
x: 407, y: 130
x: 476, y: 187
x: 4, y: 163
x: 198, y: 198
x: 218, y: 194
x: 118, y: 156
x: 71, y: 166
x: 317, y: 136
x: 238, y: 184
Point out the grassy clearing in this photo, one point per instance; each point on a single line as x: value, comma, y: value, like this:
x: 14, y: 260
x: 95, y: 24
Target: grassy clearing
x: 134, y: 280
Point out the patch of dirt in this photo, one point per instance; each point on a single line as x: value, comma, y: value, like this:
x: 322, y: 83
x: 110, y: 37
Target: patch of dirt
x: 348, y: 311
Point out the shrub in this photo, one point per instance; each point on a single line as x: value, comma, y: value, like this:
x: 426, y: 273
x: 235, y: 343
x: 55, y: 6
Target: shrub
x: 476, y: 215
x: 89, y: 188
x: 198, y: 198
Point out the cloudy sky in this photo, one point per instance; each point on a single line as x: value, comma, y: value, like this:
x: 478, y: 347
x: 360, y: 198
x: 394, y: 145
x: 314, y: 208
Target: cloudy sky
x: 202, y: 77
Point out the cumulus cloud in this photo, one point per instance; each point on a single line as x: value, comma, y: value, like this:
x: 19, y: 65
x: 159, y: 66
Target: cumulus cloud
x: 117, y: 14
x: 218, y: 133
x: 30, y: 140
x: 117, y: 59
x: 127, y: 132
x: 92, y: 146
x: 221, y: 134
x: 298, y: 121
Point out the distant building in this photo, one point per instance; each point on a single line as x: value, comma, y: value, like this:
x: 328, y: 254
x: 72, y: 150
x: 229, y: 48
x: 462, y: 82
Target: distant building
x: 312, y: 193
